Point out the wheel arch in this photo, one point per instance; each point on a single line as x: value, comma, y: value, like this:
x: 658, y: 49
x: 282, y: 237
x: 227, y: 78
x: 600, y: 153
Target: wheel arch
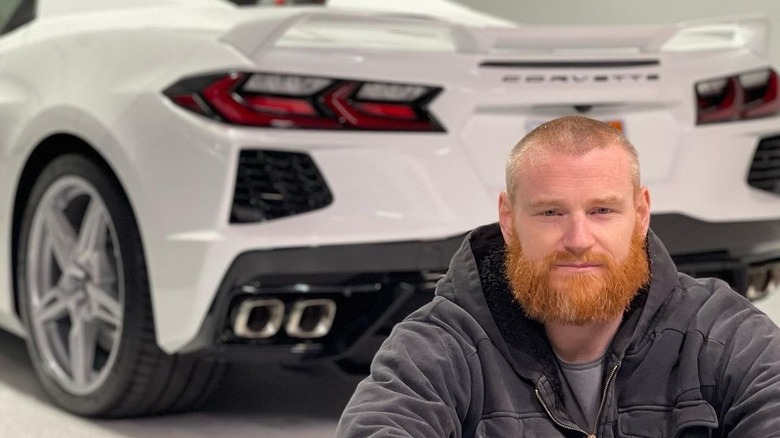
x: 49, y: 149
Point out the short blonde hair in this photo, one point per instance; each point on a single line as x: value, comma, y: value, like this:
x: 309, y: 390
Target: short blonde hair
x: 575, y: 135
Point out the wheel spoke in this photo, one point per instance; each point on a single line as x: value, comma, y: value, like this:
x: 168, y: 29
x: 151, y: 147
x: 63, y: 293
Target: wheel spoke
x: 107, y: 308
x: 53, y: 305
x: 82, y: 342
x: 93, y: 253
x: 100, y: 269
x: 92, y: 235
x: 61, y: 235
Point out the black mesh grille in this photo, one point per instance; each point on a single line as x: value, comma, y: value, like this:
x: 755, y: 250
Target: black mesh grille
x: 765, y: 170
x: 274, y: 184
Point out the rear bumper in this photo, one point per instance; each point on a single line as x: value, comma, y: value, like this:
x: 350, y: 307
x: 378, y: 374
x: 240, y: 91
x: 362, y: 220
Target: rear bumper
x: 374, y: 286
x: 377, y: 285
x: 744, y: 254
x: 751, y: 242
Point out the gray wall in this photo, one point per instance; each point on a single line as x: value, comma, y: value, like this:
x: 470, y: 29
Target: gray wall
x: 630, y: 12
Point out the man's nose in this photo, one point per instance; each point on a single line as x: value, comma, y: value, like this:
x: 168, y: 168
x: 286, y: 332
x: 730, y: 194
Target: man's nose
x: 578, y: 237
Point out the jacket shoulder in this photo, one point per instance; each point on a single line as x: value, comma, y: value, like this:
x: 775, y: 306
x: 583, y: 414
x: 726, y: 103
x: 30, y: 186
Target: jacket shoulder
x: 714, y: 309
x: 443, y: 315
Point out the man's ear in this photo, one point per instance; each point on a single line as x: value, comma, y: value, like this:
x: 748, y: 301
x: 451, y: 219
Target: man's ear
x: 643, y: 209
x: 506, y: 219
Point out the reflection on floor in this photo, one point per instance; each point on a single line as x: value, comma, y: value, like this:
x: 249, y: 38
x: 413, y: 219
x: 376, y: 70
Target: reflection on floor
x: 253, y: 402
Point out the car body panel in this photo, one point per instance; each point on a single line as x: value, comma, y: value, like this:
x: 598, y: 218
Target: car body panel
x: 96, y: 70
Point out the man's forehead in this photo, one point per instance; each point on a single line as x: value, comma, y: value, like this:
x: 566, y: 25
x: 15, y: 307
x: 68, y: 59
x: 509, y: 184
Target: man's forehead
x: 612, y: 161
x: 600, y: 175
x: 540, y: 152
x: 603, y: 199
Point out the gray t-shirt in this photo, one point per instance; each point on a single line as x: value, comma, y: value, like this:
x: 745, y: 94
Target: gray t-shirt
x: 581, y: 384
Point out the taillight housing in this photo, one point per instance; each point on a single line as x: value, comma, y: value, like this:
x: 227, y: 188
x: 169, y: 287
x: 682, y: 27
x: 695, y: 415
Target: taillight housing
x: 272, y: 100
x: 745, y: 96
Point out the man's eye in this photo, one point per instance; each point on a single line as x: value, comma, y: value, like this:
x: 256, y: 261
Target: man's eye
x: 602, y: 210
x: 549, y: 213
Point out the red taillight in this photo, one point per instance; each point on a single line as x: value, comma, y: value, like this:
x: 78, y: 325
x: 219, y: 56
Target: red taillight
x: 301, y: 102
x: 740, y: 97
x: 281, y: 105
x: 386, y: 110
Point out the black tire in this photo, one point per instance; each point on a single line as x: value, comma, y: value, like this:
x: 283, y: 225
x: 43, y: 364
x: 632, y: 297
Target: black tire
x: 124, y: 373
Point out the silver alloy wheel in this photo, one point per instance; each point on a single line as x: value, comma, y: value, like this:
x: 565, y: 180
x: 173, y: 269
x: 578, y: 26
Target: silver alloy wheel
x: 75, y: 285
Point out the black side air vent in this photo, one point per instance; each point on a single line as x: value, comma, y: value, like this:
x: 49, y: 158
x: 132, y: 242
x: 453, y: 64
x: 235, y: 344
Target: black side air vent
x: 765, y: 170
x: 275, y: 184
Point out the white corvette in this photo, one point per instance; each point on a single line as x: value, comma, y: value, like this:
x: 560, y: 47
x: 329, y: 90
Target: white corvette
x: 192, y: 182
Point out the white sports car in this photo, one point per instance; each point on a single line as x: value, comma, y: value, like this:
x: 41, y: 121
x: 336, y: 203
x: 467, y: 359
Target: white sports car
x: 193, y: 182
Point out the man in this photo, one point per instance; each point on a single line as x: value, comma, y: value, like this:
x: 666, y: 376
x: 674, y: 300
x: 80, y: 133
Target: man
x: 569, y: 319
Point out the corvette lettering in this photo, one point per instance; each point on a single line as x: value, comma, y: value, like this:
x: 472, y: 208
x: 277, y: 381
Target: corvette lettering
x: 579, y: 78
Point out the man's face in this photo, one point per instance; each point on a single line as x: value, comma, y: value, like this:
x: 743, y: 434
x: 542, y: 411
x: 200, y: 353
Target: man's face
x: 569, y: 235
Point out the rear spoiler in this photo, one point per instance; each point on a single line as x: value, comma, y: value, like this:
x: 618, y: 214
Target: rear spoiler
x: 718, y: 34
x: 334, y: 30
x: 751, y: 32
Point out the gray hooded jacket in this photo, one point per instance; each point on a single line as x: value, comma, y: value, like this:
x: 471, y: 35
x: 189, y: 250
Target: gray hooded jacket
x: 692, y: 358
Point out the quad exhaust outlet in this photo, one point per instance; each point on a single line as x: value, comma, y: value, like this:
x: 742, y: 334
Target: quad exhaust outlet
x: 261, y: 318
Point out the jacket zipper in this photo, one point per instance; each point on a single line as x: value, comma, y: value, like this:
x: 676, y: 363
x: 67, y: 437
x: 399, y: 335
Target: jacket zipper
x: 598, y: 415
x: 603, y: 399
x: 555, y: 420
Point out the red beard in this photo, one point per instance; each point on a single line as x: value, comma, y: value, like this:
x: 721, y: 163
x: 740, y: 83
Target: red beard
x: 576, y: 298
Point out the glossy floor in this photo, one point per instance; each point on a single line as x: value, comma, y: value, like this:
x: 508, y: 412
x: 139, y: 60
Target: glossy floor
x: 253, y: 402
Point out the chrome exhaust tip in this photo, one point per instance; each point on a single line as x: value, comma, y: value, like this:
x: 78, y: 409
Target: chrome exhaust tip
x: 763, y: 280
x: 773, y: 285
x: 258, y: 318
x: 311, y: 318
